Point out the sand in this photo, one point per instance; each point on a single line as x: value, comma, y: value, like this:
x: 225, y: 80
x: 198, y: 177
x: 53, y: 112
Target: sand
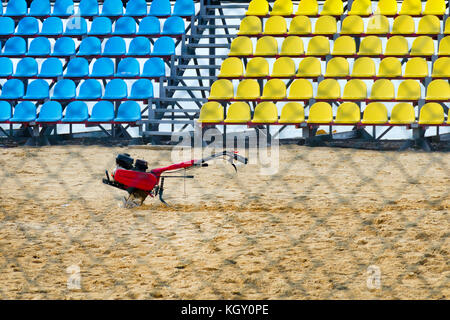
x: 310, y: 231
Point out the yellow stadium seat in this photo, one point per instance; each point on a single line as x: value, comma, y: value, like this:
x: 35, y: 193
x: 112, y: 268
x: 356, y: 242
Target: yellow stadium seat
x: 431, y: 113
x: 332, y: 8
x: 307, y: 8
x: 438, y: 90
x: 363, y: 67
x: 382, y: 89
x: 248, y: 89
x: 328, y: 89
x: 378, y: 24
x: 275, y: 25
x: 361, y: 8
x: 436, y: 7
x: 221, y: 90
x: 403, y: 25
x: 396, y: 46
x: 292, y: 112
x: 211, y: 112
x: 411, y: 7
x: 447, y: 27
x: 355, y: 89
x: 352, y: 25
x: 282, y: 8
x: 275, y: 89
x: 325, y: 25
x: 250, y: 25
x: 320, y: 112
x: 265, y: 112
x: 292, y: 46
x: 441, y: 68
x: 238, y: 112
x: 370, y: 46
x: 300, y: 25
x: 390, y: 68
x: 283, y: 67
x: 416, y: 68
x: 337, y: 67
x: 387, y: 7
x: 257, y: 68
x: 344, y: 46
x: 375, y: 113
x: 300, y: 89
x: 402, y: 113
x: 318, y: 46
x: 429, y: 25
x: 444, y: 46
x: 258, y: 8
x: 266, y: 46
x: 309, y: 68
x: 422, y: 46
x: 408, y: 90
x: 241, y: 46
x: 231, y: 68
x: 348, y: 113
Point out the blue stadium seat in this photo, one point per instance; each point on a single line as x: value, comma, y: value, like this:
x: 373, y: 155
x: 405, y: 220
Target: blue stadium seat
x: 102, y: 68
x: 12, y: 89
x: 63, y: 8
x: 149, y: 26
x: 128, y: 67
x: 16, y: 8
x: 8, y: 26
x: 173, y: 26
x: 129, y: 111
x: 24, y: 112
x: 112, y: 8
x: 5, y: 111
x: 52, y: 26
x: 76, y: 26
x: 51, y: 68
x: 88, y: 8
x: 64, y: 47
x: 90, y: 89
x: 90, y: 46
x: 103, y: 111
x: 160, y: 8
x: 15, y: 46
x: 164, y: 46
x: 6, y: 67
x: 100, y: 26
x: 40, y: 8
x: 141, y: 90
x: 51, y: 111
x: 136, y: 8
x: 184, y: 8
x: 116, y: 89
x: 115, y: 46
x: 76, y: 111
x: 26, y: 68
x: 139, y: 46
x: 37, y: 90
x: 27, y: 26
x: 125, y: 26
x: 154, y: 68
x: 77, y: 68
x: 64, y: 89
x: 39, y: 47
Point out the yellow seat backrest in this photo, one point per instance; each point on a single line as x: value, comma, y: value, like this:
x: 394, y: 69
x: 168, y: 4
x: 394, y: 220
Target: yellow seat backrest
x: 221, y: 89
x: 328, y: 89
x: 211, y: 112
x: 309, y: 67
x: 444, y: 46
x: 257, y: 67
x: 361, y: 8
x: 238, y: 112
x: 438, y: 89
x: 320, y: 112
x: 332, y: 8
x: 241, y: 46
x: 429, y: 25
x: 318, y: 46
x: 307, y: 8
x: 274, y: 89
x: 275, y: 25
x: 375, y: 113
x: 258, y: 8
x: 370, y: 46
x: 266, y: 46
x: 348, y: 112
x: 422, y: 46
x: 325, y: 25
x: 416, y: 68
x: 363, y: 67
x: 396, y: 46
x: 378, y: 24
x: 231, y: 67
x: 300, y: 89
x: 344, y: 46
x: 387, y: 7
x: 352, y: 25
x: 431, y: 113
x: 382, y: 89
x: 283, y: 67
x: 292, y: 112
x: 402, y: 113
x: 250, y: 25
x: 248, y: 89
x: 403, y: 25
x: 292, y: 46
x: 282, y: 8
x: 337, y: 67
x: 411, y: 7
x: 441, y: 68
x: 300, y: 25
x: 408, y: 90
x: 355, y: 89
x: 436, y: 7
x: 265, y: 112
x: 390, y: 67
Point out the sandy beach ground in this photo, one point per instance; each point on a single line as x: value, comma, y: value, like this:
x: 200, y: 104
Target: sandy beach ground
x: 316, y: 229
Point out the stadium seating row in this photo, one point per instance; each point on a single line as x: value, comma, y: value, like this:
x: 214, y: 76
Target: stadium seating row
x: 101, y: 26
x: 79, y: 68
x: 76, y: 112
x: 321, y: 113
x: 328, y: 89
x: 336, y: 8
x: 90, y: 8
x: 319, y: 46
x: 66, y: 90
x: 90, y: 46
x: 354, y: 25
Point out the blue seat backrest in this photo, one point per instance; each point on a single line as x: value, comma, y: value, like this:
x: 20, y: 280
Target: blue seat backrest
x: 112, y: 8
x: 15, y: 8
x: 40, y: 8
x: 52, y: 26
x: 115, y: 46
x: 139, y: 46
x: 128, y: 67
x: 149, y: 26
x: 63, y: 8
x: 141, y: 89
x: 88, y: 8
x: 39, y: 46
x: 125, y: 25
x: 27, y: 67
x: 174, y: 26
x: 8, y: 26
x: 51, y: 67
x: 15, y: 46
x: 37, y: 89
x: 28, y: 26
x: 50, y: 111
x: 6, y: 67
x: 90, y: 89
x: 101, y: 26
x: 184, y: 8
x: 129, y: 111
x: 160, y: 8
x: 103, y: 111
x: 136, y: 8
x: 103, y: 67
